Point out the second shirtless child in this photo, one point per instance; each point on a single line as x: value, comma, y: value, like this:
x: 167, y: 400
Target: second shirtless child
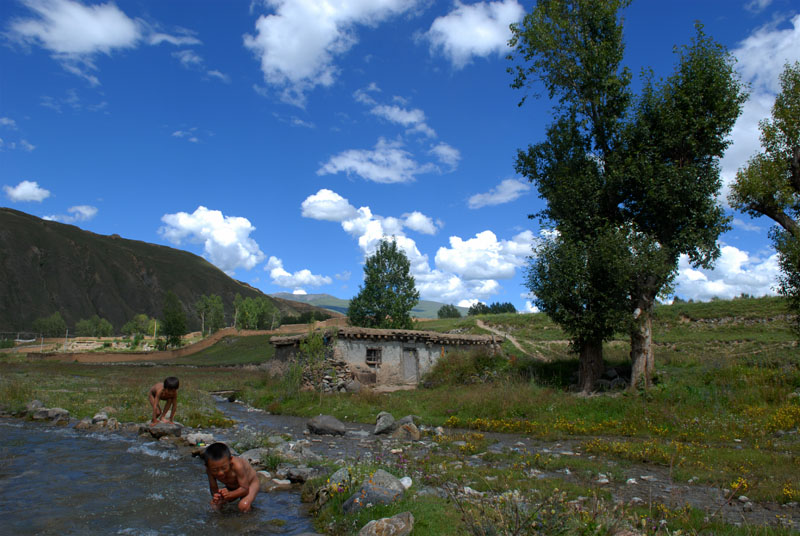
x: 168, y: 392
x: 241, y: 481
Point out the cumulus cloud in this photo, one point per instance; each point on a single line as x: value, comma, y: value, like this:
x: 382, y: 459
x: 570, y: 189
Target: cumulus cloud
x: 8, y: 123
x: 299, y: 42
x: 505, y: 192
x: 189, y: 134
x: 387, y: 163
x: 746, y: 226
x: 484, y: 257
x: 301, y: 278
x: 26, y: 191
x: 417, y: 221
x: 75, y: 34
x: 447, y: 155
x: 74, y: 214
x: 735, y: 272
x: 327, y: 205
x: 451, y: 281
x: 193, y: 61
x: 226, y: 239
x: 479, y: 29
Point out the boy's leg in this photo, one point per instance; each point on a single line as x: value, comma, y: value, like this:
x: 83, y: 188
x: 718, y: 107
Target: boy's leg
x: 167, y: 404
x: 154, y: 405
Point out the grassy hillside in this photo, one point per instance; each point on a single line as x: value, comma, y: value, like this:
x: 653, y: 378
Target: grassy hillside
x: 424, y: 309
x: 48, y: 266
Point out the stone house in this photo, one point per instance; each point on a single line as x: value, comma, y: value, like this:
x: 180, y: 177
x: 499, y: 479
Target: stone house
x: 388, y: 356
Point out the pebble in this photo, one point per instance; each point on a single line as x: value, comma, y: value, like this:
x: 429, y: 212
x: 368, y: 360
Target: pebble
x: 631, y: 481
x: 648, y: 478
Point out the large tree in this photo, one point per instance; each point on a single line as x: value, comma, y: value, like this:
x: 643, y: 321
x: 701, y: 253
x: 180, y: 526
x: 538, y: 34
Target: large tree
x: 388, y: 294
x: 628, y: 180
x: 769, y: 185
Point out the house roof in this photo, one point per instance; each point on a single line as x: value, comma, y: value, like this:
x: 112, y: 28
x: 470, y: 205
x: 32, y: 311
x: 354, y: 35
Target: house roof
x: 402, y: 335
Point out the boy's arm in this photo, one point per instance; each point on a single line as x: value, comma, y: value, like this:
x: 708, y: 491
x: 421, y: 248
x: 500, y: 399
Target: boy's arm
x: 174, y: 406
x: 252, y: 490
x: 245, y: 475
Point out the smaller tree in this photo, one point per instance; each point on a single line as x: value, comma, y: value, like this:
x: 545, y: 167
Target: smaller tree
x: 94, y: 327
x: 312, y: 358
x: 174, y: 325
x: 140, y: 324
x: 499, y: 308
x: 388, y: 294
x: 216, y: 313
x: 50, y: 326
x: 479, y: 308
x: 449, y: 311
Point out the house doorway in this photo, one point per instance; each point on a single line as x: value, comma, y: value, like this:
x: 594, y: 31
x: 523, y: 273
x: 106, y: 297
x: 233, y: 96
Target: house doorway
x: 410, y: 365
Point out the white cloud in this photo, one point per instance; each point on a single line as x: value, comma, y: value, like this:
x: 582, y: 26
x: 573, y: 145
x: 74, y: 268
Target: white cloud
x: 505, y: 192
x: 189, y: 135
x: 26, y: 145
x: 226, y: 239
x: 74, y: 214
x: 417, y: 221
x: 8, y: 123
x: 75, y: 33
x: 301, y: 278
x: 734, y: 273
x: 484, y: 257
x: 492, y: 258
x: 183, y: 40
x: 446, y: 154
x: 188, y: 58
x: 757, y: 6
x: 479, y: 29
x: 387, y: 163
x: 219, y: 75
x: 26, y: 191
x: 746, y: 226
x: 298, y: 44
x: 299, y: 292
x: 327, y: 205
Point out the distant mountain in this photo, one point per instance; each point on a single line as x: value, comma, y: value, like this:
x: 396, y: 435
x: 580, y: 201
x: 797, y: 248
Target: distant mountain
x: 424, y: 309
x: 47, y: 266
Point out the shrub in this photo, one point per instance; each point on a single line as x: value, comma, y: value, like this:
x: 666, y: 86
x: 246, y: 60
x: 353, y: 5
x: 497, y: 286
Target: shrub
x: 475, y: 366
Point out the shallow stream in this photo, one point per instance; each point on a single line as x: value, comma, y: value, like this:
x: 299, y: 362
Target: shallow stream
x: 56, y: 480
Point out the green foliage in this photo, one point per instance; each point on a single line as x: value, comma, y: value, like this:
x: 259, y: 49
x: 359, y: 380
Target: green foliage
x: 770, y: 183
x: 630, y: 184
x: 94, y: 327
x: 232, y: 351
x: 174, y: 325
x: 50, y: 326
x: 448, y: 311
x: 312, y: 357
x: 256, y: 313
x: 306, y: 317
x: 388, y: 293
x: 211, y: 313
x: 495, y: 308
x: 463, y: 368
x: 140, y: 324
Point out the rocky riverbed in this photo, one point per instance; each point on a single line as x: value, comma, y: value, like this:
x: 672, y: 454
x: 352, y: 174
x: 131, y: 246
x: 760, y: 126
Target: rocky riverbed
x: 290, y: 451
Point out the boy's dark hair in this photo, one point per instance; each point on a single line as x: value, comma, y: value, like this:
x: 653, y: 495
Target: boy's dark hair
x: 216, y: 452
x: 171, y: 383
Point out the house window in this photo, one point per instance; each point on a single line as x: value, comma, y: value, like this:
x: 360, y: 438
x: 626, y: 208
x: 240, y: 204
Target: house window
x: 374, y: 357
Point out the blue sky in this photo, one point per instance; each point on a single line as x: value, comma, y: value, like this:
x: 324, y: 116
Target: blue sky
x: 281, y: 139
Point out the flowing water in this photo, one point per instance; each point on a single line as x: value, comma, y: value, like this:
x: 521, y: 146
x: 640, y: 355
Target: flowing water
x: 56, y: 480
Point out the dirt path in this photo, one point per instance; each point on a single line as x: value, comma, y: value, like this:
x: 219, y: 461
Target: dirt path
x: 511, y: 338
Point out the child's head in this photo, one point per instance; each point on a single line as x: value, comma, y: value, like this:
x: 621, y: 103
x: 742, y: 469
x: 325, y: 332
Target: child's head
x: 171, y: 383
x: 218, y: 458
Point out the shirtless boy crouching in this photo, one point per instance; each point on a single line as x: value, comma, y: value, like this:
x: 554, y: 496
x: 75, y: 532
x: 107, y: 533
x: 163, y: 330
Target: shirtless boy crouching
x: 241, y: 481
x: 168, y: 392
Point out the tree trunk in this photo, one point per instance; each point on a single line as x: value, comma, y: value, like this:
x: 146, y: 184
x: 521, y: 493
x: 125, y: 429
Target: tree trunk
x: 642, y: 358
x: 591, y: 364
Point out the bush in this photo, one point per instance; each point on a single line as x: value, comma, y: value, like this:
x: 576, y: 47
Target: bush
x: 459, y: 368
x: 306, y: 317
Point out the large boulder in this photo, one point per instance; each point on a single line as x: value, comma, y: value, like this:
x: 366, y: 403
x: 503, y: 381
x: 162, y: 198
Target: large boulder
x: 161, y: 429
x: 254, y: 456
x: 407, y: 431
x: 369, y: 495
x: 384, y: 423
x: 199, y: 439
x: 400, y: 525
x: 326, y: 425
x: 386, y: 480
